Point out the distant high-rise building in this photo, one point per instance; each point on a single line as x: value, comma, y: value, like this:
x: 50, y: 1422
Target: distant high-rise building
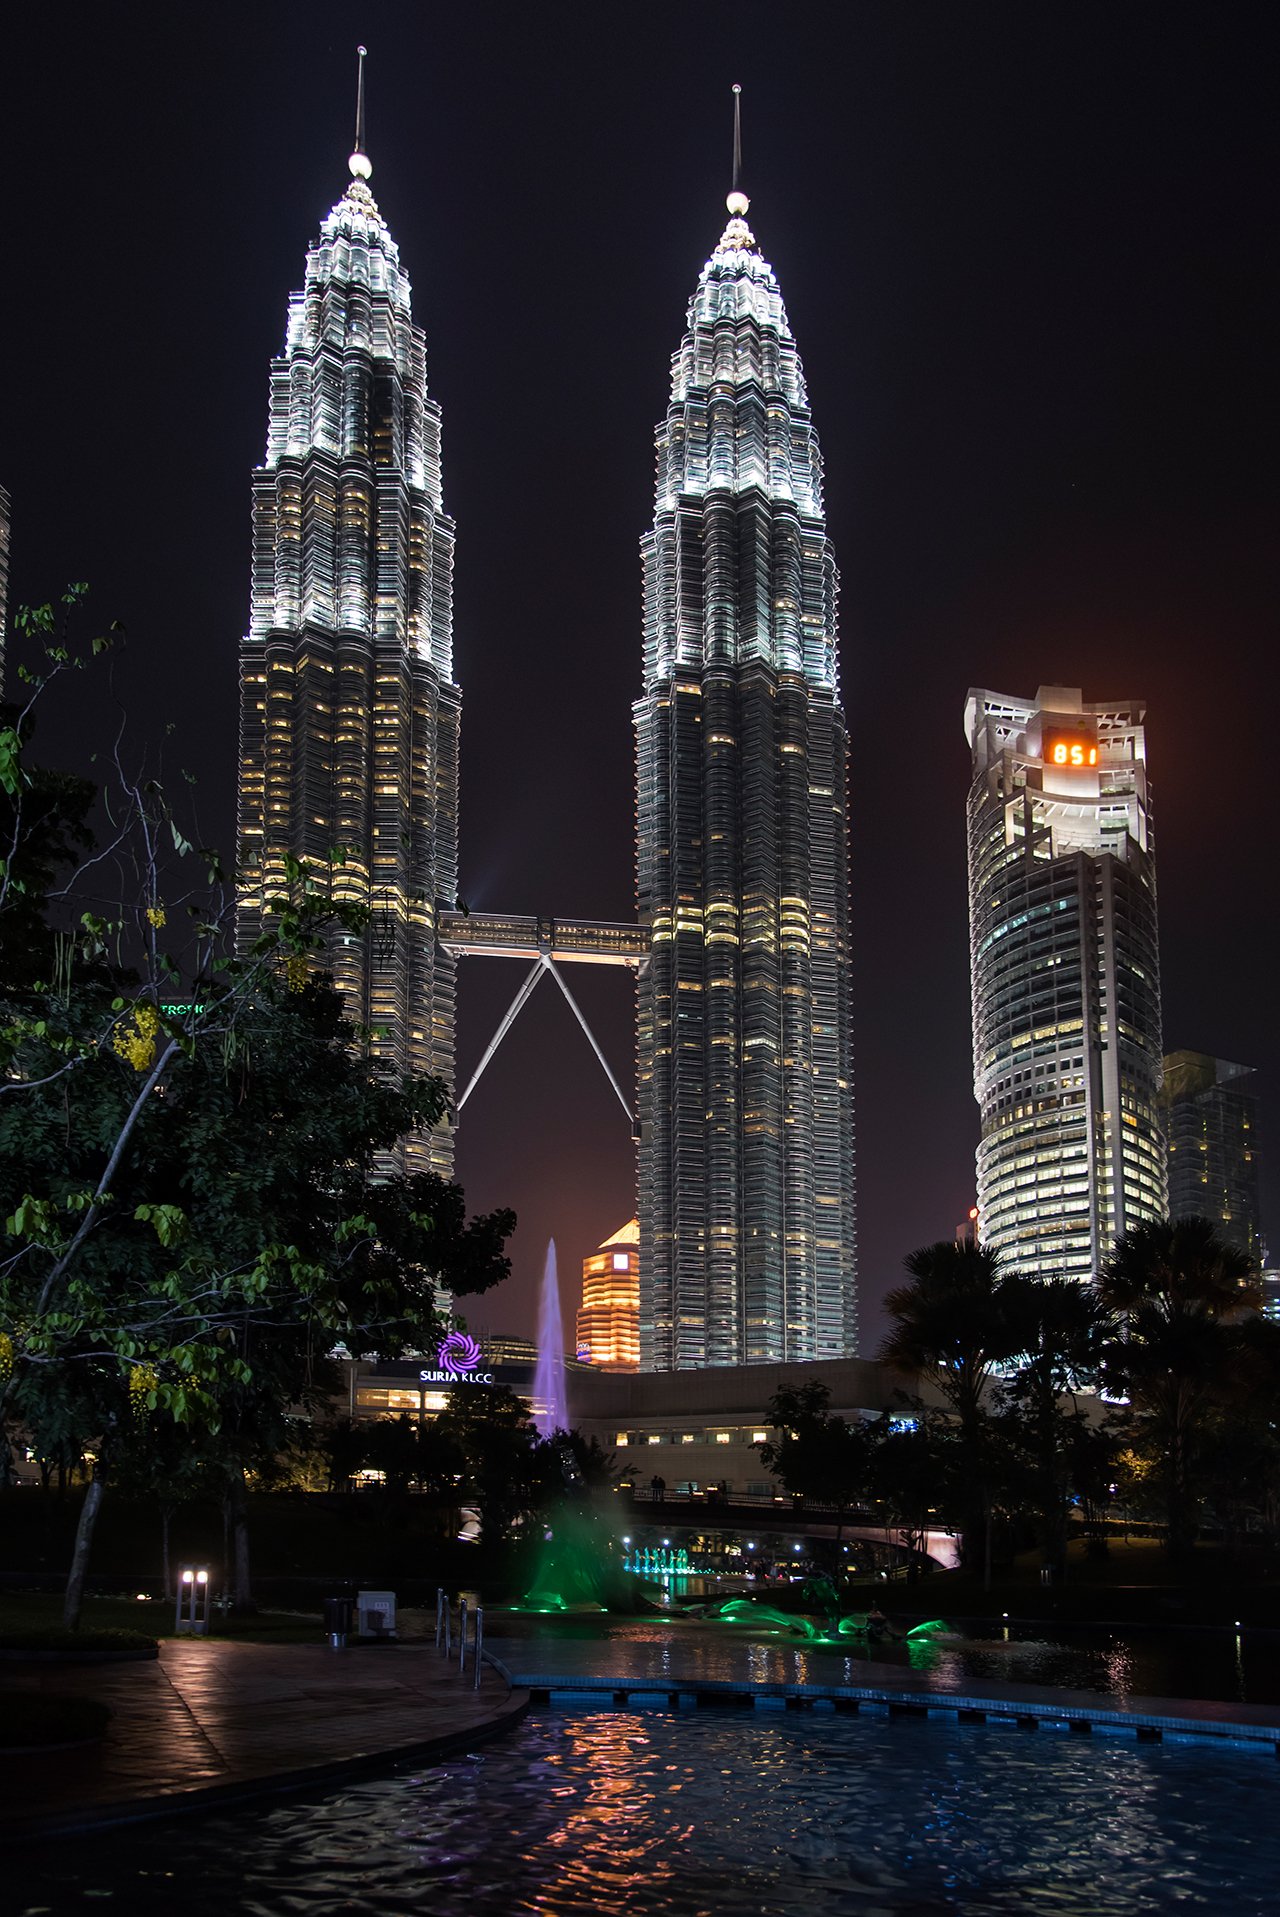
x: 1065, y: 974
x: 609, y: 1321
x: 1211, y: 1125
x: 1269, y: 1278
x: 349, y: 711
x: 746, y: 1162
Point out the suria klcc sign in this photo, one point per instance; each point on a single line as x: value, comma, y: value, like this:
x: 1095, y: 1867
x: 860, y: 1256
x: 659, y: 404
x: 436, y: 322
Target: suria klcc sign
x: 458, y: 1360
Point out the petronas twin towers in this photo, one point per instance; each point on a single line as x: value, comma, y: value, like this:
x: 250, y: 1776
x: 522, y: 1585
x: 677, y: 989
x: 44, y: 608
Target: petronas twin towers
x: 349, y: 763
x: 746, y: 1106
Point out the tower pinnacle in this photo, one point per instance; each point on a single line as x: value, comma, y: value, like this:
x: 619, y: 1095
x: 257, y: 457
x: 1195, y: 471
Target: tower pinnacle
x: 737, y: 202
x: 360, y: 163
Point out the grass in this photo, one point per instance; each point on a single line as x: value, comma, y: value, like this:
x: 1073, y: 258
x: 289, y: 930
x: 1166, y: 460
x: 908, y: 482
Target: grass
x: 55, y: 1637
x: 32, y: 1620
x: 30, y: 1719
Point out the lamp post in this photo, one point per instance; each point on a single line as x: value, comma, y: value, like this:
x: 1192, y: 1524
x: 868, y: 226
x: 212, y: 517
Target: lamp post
x: 192, y: 1614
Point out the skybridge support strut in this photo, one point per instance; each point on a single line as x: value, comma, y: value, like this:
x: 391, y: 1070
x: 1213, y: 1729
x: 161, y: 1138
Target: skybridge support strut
x: 591, y: 1037
x: 513, y: 1012
x: 543, y: 963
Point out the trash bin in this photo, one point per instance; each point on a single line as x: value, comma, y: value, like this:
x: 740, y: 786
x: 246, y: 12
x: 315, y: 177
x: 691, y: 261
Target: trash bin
x: 337, y: 1621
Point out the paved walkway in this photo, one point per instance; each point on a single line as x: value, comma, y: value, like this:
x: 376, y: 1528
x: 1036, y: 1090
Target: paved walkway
x: 213, y: 1719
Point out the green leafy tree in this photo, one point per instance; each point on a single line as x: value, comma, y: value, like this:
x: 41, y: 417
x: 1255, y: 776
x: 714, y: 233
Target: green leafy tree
x: 815, y: 1454
x: 190, y: 1140
x: 505, y: 1470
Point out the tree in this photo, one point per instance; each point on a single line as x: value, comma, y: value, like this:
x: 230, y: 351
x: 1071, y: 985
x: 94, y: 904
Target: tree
x: 156, y: 1463
x: 506, y: 1472
x: 343, y: 1444
x: 1240, y: 1440
x: 954, y: 1326
x: 911, y: 1476
x: 1061, y: 1330
x: 816, y: 1454
x: 189, y: 1141
x: 1181, y: 1293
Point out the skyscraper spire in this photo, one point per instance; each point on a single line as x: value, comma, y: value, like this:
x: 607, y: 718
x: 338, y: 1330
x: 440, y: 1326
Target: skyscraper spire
x: 736, y: 192
x: 349, y: 711
x: 360, y: 163
x: 744, y: 1043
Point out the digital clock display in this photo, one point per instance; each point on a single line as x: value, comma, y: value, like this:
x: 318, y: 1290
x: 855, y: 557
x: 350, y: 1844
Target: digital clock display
x: 1069, y: 749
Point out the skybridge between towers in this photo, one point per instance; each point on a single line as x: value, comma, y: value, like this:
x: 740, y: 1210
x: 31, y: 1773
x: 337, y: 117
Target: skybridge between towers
x: 550, y: 943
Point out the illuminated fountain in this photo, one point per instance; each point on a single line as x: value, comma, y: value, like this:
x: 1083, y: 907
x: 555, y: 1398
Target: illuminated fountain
x: 551, y: 1413
x: 573, y: 1565
x: 855, y: 1624
x: 572, y: 1568
x: 667, y: 1559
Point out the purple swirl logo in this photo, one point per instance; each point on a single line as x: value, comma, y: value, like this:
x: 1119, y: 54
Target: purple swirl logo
x: 458, y: 1354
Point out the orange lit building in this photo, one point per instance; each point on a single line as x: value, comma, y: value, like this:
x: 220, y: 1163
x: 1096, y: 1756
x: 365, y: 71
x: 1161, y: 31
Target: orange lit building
x: 609, y: 1321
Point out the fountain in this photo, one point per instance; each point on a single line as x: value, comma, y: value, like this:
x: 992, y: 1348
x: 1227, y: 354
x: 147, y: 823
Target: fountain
x: 670, y: 1559
x: 552, y: 1413
x: 572, y: 1572
x: 573, y: 1567
x: 854, y: 1624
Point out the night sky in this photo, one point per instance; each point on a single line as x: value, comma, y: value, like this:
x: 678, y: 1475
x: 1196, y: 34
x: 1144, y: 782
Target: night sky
x: 1027, y: 252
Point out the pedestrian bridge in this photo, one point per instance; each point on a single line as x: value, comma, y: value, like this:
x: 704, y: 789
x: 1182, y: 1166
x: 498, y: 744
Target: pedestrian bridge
x: 778, y: 1519
x: 521, y: 935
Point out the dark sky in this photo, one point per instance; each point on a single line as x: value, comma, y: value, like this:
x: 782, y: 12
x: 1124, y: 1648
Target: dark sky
x: 1026, y: 251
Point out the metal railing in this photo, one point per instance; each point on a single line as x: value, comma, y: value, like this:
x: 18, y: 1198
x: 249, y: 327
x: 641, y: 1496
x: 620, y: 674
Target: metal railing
x: 709, y: 1498
x: 444, y: 1633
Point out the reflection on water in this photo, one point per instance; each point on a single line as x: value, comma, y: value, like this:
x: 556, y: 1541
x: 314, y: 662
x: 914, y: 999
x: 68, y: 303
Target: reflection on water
x: 707, y: 1815
x: 1241, y: 1667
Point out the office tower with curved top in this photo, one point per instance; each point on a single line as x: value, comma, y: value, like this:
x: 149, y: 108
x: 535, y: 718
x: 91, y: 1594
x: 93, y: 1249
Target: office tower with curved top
x: 1065, y: 968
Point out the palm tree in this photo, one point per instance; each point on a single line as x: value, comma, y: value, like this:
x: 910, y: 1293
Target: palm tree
x: 1182, y: 1293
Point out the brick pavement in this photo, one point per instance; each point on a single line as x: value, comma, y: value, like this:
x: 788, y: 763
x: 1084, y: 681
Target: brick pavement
x: 212, y: 1719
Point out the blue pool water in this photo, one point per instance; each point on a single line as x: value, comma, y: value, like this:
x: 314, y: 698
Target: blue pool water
x: 717, y: 1815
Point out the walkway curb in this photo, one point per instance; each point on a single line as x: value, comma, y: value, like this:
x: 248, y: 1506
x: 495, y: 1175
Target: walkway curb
x: 204, y: 1798
x: 215, y: 1723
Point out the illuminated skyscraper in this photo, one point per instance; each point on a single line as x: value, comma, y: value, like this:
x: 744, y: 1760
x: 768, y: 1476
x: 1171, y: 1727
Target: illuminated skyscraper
x: 1065, y: 972
x: 349, y: 713
x: 746, y: 1197
x: 609, y: 1321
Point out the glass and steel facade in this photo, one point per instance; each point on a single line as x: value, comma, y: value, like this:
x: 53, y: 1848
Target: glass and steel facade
x: 1211, y: 1124
x: 746, y: 1159
x: 349, y: 711
x: 1065, y: 976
